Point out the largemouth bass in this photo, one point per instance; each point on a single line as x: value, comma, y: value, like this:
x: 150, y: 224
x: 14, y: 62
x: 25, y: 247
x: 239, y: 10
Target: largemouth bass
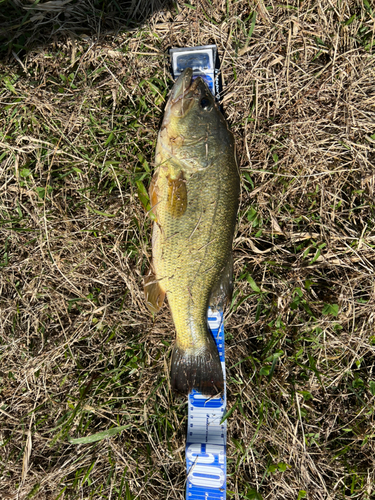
x: 194, y: 196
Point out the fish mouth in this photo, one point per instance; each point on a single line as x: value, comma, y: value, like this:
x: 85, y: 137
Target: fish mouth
x: 184, y: 92
x: 184, y: 85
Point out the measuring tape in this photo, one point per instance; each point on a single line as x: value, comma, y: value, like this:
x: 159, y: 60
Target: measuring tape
x: 206, y: 457
x: 206, y: 454
x: 204, y: 62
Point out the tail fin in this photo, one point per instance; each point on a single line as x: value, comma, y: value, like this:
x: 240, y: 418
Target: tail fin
x: 200, y: 370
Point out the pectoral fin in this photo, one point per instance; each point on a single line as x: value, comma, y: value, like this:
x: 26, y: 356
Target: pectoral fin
x: 177, y: 196
x: 221, y: 293
x: 154, y: 293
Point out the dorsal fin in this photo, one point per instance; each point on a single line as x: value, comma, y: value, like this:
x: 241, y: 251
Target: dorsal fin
x: 221, y: 293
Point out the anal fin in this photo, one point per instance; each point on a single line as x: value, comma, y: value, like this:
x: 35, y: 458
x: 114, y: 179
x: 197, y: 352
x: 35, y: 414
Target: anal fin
x: 153, y: 292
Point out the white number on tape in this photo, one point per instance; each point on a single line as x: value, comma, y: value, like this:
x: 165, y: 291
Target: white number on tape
x: 215, y: 319
x: 210, y: 477
x: 197, y: 454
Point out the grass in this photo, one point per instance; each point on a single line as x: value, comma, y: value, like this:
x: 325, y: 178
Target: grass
x: 85, y: 403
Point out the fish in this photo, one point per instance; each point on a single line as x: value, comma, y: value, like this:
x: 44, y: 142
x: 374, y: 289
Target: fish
x: 194, y: 197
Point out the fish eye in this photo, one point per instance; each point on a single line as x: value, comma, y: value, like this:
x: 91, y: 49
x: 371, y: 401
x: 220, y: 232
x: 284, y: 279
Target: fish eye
x: 205, y: 103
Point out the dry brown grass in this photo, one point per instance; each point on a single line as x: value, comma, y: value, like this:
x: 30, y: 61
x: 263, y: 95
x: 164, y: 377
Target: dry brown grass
x: 80, y: 353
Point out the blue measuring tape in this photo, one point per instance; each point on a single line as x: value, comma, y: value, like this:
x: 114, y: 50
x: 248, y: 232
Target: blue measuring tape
x: 206, y: 457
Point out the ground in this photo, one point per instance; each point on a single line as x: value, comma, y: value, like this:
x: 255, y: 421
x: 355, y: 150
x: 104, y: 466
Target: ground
x: 82, y: 91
